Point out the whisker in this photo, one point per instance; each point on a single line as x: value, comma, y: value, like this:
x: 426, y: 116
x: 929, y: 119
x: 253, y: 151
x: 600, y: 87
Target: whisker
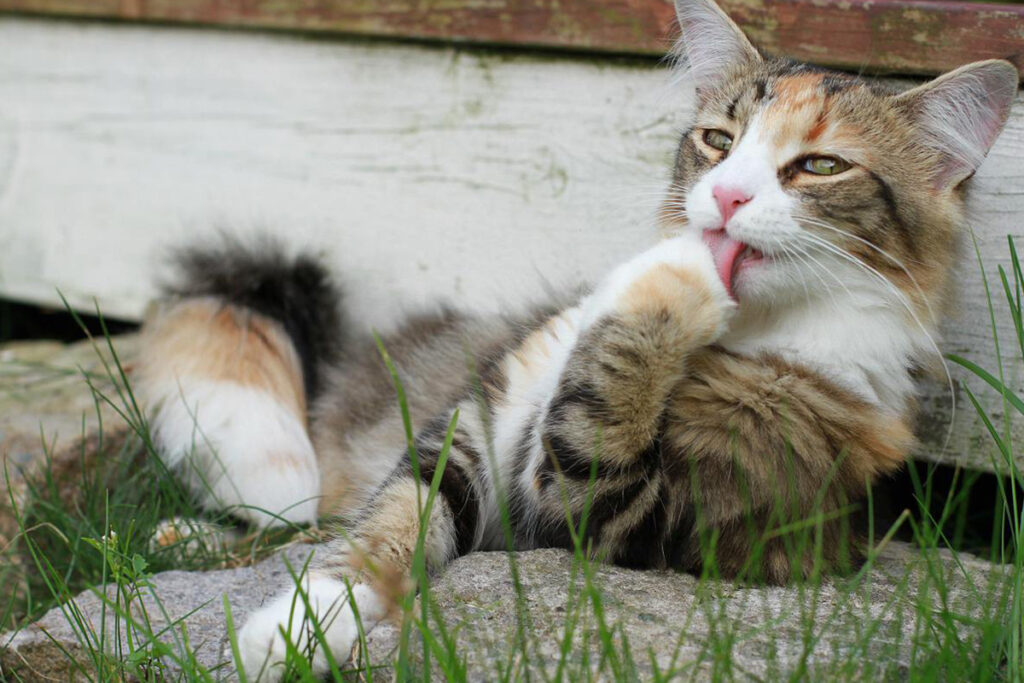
x: 902, y: 298
x: 845, y: 233
x: 829, y: 272
x: 795, y: 257
x: 815, y: 272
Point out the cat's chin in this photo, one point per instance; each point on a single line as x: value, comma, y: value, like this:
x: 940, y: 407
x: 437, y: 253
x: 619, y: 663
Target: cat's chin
x: 751, y: 280
x: 746, y: 267
x: 767, y: 287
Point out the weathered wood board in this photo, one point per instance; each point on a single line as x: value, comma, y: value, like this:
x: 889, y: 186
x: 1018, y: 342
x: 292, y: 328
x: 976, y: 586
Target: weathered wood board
x: 424, y: 172
x: 907, y: 36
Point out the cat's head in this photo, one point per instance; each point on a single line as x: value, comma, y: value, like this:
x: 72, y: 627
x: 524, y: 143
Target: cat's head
x: 806, y: 182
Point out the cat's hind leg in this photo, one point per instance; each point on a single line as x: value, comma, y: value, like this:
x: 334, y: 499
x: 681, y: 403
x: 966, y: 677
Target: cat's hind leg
x: 224, y: 374
x: 375, y: 557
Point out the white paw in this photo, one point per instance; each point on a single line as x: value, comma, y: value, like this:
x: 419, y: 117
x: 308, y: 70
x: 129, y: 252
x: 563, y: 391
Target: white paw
x: 692, y: 254
x: 262, y: 647
x: 684, y: 252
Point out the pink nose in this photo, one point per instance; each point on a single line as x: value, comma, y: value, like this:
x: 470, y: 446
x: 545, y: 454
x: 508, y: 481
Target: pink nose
x: 729, y: 199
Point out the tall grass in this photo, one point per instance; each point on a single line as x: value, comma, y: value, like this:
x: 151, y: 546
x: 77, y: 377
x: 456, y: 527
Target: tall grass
x: 1007, y: 458
x: 924, y: 621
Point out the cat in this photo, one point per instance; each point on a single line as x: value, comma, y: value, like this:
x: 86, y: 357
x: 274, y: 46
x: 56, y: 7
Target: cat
x: 758, y: 361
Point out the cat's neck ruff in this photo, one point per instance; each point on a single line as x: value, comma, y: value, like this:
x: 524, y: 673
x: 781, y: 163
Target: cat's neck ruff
x: 865, y: 347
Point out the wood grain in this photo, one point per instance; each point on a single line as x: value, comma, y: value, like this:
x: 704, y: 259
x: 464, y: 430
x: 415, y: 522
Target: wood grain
x: 908, y: 36
x: 423, y: 173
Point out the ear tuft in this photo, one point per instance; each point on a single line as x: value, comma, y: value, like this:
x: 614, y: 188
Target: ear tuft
x: 960, y: 115
x: 711, y: 44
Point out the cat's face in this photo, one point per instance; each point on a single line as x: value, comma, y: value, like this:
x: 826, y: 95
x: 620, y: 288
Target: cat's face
x: 806, y: 182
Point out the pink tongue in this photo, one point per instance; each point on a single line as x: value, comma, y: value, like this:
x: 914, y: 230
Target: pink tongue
x: 724, y: 250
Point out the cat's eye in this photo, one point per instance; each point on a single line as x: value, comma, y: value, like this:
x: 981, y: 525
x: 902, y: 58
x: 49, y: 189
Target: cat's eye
x: 718, y: 139
x: 824, y: 165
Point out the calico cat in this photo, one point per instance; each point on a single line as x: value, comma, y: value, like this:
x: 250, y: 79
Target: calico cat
x: 759, y: 360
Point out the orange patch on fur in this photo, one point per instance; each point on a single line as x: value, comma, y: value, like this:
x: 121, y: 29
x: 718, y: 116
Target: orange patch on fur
x: 661, y: 287
x: 797, y: 113
x: 205, y: 339
x: 889, y: 445
x: 819, y: 126
x: 666, y: 288
x: 534, y: 353
x: 796, y: 91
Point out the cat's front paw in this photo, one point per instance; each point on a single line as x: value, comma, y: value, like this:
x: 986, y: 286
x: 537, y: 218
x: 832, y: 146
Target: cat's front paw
x: 261, y: 642
x: 675, y: 277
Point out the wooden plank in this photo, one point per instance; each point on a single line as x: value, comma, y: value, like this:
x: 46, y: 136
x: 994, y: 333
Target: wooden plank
x: 908, y: 36
x: 897, y: 36
x: 424, y: 173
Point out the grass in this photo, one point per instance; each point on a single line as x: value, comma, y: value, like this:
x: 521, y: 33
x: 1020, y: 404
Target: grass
x: 926, y: 620
x: 89, y: 519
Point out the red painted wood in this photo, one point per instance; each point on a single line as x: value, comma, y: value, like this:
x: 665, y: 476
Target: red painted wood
x: 908, y: 36
x: 915, y: 36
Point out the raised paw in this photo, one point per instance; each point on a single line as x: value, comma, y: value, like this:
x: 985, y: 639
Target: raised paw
x: 678, y: 277
x: 261, y: 642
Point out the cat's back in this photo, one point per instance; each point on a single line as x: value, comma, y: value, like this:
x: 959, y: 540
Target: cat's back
x: 439, y: 357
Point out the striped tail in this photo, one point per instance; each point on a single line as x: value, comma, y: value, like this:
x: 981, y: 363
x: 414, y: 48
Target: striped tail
x: 228, y: 365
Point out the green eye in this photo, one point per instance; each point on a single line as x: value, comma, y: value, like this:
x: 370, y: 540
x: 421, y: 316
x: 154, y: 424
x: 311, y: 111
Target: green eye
x: 718, y: 139
x: 824, y: 165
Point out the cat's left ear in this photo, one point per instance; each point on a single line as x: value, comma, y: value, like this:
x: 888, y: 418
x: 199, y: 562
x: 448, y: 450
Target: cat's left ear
x: 711, y: 44
x: 960, y: 115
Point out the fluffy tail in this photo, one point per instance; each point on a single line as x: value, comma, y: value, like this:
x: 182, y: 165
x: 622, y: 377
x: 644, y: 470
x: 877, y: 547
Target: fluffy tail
x: 297, y: 292
x: 226, y: 369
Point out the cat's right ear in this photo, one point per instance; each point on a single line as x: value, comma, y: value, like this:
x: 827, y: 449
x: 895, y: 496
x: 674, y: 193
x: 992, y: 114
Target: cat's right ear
x: 711, y: 44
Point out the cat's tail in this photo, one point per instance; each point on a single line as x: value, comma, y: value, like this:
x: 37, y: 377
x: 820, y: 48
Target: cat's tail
x: 228, y: 364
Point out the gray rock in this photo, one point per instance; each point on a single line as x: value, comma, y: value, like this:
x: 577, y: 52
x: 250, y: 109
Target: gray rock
x: 54, y: 647
x: 672, y: 622
x: 44, y: 395
x: 675, y: 622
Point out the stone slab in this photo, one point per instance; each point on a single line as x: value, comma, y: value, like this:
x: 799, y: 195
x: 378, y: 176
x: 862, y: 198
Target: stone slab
x: 671, y: 621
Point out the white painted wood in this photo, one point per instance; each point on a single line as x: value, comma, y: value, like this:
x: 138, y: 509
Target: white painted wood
x: 424, y: 172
